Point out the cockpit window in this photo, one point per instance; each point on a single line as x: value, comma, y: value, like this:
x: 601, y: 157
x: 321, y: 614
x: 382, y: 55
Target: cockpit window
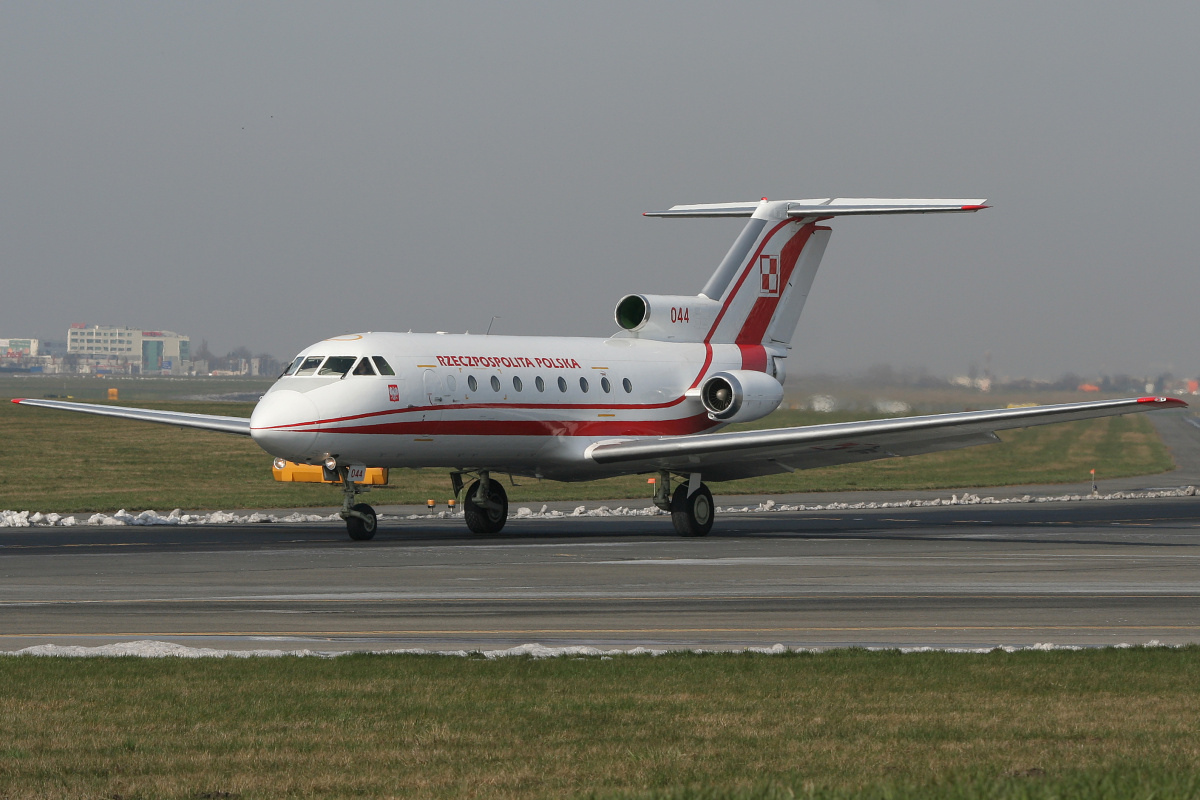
x: 384, y: 367
x: 336, y: 365
x: 292, y: 367
x: 363, y: 367
x: 309, y: 366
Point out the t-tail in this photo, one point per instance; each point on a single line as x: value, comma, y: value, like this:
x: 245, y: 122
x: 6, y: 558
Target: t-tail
x: 757, y: 293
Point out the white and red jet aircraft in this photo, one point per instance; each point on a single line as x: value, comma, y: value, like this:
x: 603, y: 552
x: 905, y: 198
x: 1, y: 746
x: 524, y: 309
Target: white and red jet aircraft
x: 649, y: 399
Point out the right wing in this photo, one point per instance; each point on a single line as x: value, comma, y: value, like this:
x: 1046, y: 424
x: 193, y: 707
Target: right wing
x: 744, y: 454
x: 208, y: 422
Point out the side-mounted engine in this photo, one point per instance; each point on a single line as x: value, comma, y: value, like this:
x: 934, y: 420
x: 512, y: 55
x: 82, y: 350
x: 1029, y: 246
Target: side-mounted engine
x: 667, y: 318
x: 740, y: 395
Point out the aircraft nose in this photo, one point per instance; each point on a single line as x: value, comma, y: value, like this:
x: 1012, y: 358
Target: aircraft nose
x: 284, y: 423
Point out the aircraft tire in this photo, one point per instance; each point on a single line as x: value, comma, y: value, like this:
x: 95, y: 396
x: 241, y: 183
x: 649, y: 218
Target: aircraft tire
x: 482, y: 520
x: 362, y: 530
x: 693, y: 516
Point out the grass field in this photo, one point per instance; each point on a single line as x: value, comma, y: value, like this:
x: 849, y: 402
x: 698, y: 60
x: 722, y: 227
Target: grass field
x: 56, y: 461
x: 1100, y: 723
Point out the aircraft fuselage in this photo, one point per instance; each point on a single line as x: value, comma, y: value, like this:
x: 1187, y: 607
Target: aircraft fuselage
x: 521, y: 404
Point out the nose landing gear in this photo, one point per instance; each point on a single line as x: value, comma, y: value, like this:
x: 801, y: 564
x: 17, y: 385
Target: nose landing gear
x: 360, y: 517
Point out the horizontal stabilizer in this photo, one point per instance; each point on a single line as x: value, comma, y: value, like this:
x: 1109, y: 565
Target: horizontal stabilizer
x: 826, y: 207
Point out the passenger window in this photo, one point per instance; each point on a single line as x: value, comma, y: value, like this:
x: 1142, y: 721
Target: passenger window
x: 562, y: 384
x: 495, y: 384
x: 605, y: 385
x: 336, y: 365
x: 517, y: 383
x: 539, y: 383
x: 295, y: 365
x: 383, y: 367
x: 472, y: 383
x: 628, y: 386
x: 309, y: 367
x: 583, y: 385
x: 363, y: 367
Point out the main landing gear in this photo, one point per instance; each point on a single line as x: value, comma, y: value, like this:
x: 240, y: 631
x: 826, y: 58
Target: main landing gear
x: 691, y: 504
x: 485, y: 505
x: 360, y: 517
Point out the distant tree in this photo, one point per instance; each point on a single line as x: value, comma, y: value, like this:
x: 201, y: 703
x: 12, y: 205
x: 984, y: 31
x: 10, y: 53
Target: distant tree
x: 1069, y: 382
x: 203, y: 353
x: 881, y: 375
x: 268, y: 365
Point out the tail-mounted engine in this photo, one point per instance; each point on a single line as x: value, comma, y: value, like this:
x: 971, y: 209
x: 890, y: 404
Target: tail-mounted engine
x: 667, y: 318
x: 740, y: 395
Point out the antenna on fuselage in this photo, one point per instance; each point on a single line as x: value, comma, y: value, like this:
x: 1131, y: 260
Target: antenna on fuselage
x: 489, y: 330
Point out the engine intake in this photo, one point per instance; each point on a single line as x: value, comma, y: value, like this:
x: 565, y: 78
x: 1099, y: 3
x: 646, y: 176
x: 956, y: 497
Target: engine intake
x: 740, y: 395
x: 667, y: 318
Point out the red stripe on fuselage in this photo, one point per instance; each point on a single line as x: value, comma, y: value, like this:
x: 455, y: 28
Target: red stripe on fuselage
x: 754, y: 356
x: 493, y: 406
x: 560, y: 427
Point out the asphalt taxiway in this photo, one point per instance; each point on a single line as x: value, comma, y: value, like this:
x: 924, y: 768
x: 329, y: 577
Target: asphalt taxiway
x: 1075, y: 573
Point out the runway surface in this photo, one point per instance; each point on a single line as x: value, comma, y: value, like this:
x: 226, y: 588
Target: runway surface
x: 1086, y: 573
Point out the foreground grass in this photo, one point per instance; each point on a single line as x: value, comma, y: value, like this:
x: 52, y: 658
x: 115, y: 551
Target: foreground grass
x: 838, y: 724
x: 56, y: 461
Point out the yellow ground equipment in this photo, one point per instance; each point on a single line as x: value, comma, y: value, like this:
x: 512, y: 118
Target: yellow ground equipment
x: 289, y: 472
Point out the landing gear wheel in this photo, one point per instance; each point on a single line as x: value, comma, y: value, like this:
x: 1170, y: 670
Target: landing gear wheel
x: 361, y: 530
x: 490, y: 518
x: 693, y: 516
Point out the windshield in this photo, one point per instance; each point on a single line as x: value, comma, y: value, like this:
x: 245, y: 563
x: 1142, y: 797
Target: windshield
x: 337, y: 365
x: 309, y: 366
x: 292, y: 367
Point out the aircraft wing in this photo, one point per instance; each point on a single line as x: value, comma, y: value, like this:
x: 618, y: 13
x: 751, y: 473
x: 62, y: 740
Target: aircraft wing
x: 726, y: 456
x: 208, y: 422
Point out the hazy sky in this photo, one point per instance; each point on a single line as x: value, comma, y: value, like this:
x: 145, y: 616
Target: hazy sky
x: 272, y: 174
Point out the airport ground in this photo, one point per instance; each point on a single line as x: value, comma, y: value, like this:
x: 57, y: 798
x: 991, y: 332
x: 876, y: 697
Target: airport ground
x: 1089, y: 572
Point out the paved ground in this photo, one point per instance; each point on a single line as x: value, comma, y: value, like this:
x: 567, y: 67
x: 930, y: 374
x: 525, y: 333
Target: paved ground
x: 1068, y: 573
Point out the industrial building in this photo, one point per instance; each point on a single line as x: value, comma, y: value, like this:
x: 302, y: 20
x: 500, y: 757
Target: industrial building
x: 130, y: 350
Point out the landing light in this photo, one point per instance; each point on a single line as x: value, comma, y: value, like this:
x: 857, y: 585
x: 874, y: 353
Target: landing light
x: 280, y: 463
x: 330, y: 464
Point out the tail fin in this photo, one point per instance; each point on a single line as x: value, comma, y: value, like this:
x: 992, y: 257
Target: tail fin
x: 762, y: 283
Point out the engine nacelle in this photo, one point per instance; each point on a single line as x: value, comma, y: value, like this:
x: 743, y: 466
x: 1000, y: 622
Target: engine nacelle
x: 667, y: 318
x: 740, y: 395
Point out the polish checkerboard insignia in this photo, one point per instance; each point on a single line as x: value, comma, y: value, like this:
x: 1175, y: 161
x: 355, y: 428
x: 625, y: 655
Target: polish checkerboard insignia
x: 768, y: 269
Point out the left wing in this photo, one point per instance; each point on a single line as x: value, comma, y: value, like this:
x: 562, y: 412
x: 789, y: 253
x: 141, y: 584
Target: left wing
x: 726, y: 456
x: 208, y: 422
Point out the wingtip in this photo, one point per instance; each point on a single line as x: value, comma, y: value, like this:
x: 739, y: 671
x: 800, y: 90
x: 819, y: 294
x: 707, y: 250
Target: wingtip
x: 18, y: 400
x: 975, y: 208
x: 1165, y: 402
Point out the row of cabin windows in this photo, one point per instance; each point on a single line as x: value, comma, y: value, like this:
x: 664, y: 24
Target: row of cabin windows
x: 540, y: 384
x: 338, y: 366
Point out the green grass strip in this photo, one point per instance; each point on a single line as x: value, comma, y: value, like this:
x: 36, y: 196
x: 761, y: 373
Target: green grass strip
x: 62, y: 462
x: 846, y: 723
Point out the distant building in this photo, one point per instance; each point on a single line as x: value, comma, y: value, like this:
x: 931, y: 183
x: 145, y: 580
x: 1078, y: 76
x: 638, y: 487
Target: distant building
x: 129, y: 349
